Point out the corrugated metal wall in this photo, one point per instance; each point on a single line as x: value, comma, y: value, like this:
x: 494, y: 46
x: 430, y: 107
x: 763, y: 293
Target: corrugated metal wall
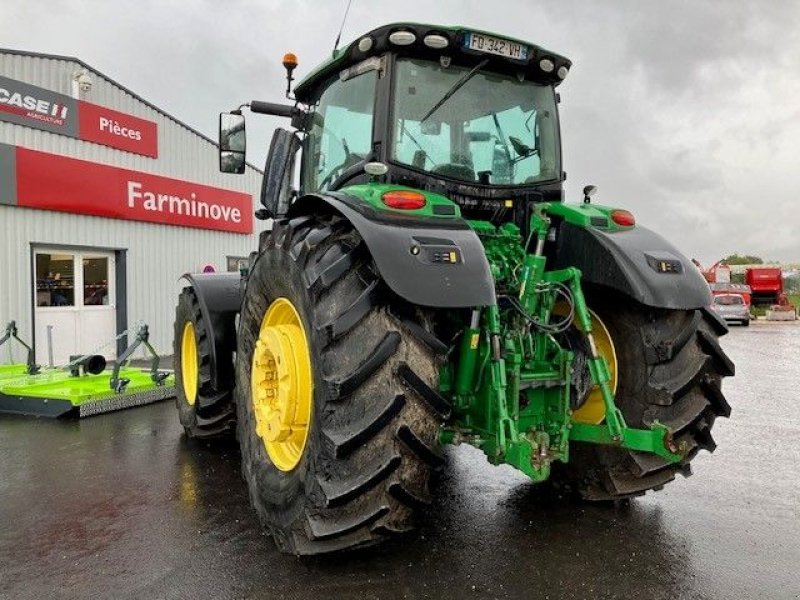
x: 156, y: 255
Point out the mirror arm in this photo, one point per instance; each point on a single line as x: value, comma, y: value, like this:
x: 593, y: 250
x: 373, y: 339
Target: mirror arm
x: 298, y: 116
x: 273, y: 108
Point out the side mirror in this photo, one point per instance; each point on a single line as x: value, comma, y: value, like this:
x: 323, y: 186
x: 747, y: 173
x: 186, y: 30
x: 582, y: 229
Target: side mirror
x: 276, y: 188
x: 232, y: 143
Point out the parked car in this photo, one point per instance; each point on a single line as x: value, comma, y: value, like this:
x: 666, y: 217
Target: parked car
x: 732, y: 308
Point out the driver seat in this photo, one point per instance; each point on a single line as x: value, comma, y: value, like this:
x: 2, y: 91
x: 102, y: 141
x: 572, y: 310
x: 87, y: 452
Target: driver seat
x: 461, y: 168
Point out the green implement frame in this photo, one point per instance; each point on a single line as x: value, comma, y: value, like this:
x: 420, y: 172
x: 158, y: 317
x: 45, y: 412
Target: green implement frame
x: 71, y: 391
x: 511, y: 383
x: 56, y: 393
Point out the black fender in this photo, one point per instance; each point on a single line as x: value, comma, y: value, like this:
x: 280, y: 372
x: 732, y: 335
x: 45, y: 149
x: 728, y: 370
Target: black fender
x: 426, y: 261
x: 637, y: 262
x: 219, y: 295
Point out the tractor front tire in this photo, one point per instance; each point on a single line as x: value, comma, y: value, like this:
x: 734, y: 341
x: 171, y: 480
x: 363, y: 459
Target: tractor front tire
x: 670, y: 367
x: 372, y: 436
x: 204, y: 411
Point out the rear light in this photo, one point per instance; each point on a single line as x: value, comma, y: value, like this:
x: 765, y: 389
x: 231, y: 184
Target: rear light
x: 623, y: 218
x: 403, y: 200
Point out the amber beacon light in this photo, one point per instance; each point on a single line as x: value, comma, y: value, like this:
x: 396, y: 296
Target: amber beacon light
x: 289, y: 63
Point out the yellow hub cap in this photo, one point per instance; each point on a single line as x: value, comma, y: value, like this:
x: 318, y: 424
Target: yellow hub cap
x: 281, y: 385
x: 189, y: 363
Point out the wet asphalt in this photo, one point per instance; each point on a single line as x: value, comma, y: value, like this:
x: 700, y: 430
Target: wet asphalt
x: 122, y: 506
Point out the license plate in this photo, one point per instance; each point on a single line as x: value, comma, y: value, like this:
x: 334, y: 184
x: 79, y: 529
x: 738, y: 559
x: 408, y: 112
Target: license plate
x: 493, y: 45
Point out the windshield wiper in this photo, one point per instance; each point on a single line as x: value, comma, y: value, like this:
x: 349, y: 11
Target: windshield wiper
x: 456, y: 86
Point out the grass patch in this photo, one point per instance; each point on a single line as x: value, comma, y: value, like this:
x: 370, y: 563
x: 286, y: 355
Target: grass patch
x: 761, y: 311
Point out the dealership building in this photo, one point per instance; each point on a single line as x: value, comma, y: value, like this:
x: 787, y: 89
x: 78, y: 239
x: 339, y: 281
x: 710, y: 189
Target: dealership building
x: 105, y: 201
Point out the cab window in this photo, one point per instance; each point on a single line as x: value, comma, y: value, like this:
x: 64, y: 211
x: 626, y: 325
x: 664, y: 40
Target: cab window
x: 494, y: 129
x: 341, y: 131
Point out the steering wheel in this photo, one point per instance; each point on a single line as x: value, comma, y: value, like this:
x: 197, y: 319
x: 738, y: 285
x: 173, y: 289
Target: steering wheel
x: 350, y: 159
x: 521, y: 149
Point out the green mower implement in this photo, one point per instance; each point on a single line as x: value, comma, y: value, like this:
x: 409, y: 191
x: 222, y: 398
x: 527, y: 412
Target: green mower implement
x: 428, y: 285
x: 84, y: 387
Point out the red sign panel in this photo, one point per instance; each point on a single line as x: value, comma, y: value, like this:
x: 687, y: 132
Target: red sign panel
x: 64, y: 184
x: 118, y: 130
x: 32, y: 106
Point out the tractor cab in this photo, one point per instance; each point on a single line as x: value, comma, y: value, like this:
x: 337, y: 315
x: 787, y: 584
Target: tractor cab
x: 454, y: 111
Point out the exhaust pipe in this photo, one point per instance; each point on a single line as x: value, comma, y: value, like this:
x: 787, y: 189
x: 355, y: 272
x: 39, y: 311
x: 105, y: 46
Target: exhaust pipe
x: 91, y: 364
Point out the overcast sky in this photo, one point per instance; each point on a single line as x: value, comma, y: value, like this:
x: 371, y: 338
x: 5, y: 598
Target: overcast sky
x: 686, y: 113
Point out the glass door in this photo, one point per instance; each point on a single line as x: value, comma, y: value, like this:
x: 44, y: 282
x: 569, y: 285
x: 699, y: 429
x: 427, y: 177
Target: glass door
x: 97, y: 300
x: 75, y: 304
x: 55, y: 313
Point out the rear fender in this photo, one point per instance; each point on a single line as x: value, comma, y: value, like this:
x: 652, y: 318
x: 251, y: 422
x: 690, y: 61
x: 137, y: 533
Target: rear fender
x: 426, y: 261
x: 636, y: 262
x: 219, y: 295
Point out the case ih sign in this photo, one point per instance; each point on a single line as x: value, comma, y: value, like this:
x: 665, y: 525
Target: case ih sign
x: 47, y: 181
x: 37, y: 107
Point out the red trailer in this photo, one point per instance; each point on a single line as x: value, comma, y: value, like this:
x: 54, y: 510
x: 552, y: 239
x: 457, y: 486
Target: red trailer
x: 766, y: 284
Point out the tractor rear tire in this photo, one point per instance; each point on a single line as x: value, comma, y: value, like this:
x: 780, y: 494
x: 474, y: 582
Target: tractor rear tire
x: 372, y: 440
x: 211, y: 412
x: 670, y: 367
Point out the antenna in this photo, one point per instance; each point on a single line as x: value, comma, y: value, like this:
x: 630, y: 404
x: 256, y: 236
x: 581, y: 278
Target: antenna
x: 344, y: 19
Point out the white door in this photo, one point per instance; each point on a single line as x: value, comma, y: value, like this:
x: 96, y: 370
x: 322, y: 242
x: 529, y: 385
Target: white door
x: 76, y: 301
x: 97, y: 321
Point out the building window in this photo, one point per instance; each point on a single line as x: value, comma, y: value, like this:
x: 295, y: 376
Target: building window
x: 55, y: 280
x: 95, y: 281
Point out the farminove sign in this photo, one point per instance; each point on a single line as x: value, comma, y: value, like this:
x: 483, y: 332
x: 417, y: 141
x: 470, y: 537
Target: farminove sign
x: 32, y: 106
x: 33, y: 179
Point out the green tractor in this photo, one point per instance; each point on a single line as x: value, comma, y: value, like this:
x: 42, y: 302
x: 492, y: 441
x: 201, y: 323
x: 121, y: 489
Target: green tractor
x: 424, y: 284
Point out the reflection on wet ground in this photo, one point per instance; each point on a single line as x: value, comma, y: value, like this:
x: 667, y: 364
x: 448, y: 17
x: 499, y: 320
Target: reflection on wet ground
x: 122, y: 506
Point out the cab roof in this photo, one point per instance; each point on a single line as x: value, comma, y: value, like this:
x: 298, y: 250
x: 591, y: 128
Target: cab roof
x: 378, y: 41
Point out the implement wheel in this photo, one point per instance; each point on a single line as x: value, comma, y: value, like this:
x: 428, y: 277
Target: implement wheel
x: 669, y: 367
x: 337, y: 417
x: 203, y: 410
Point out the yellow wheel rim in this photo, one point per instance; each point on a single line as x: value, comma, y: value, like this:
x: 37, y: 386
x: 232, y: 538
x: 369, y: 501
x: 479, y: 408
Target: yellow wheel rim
x: 593, y: 411
x: 189, y: 362
x: 281, y: 385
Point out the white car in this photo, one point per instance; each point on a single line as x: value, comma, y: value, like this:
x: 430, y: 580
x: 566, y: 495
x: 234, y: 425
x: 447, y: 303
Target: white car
x: 732, y: 308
